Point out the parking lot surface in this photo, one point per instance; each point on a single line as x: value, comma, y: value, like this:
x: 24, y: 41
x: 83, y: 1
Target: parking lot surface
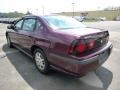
x: 18, y: 71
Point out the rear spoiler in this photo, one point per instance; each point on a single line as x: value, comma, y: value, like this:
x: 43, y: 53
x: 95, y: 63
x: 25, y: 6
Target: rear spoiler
x: 95, y: 35
x: 8, y: 20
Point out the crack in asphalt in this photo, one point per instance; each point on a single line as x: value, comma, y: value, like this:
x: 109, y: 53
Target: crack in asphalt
x: 3, y: 57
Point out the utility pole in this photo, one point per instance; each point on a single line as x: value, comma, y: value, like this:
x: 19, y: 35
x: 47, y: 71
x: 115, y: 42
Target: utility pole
x: 73, y: 7
x: 43, y: 8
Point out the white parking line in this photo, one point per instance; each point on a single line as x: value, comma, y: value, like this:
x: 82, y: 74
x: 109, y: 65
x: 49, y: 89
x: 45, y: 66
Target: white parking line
x: 1, y: 44
x: 3, y: 54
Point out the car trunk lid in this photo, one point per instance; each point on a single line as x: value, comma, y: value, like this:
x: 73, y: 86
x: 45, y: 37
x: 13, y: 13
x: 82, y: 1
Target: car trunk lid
x: 79, y: 31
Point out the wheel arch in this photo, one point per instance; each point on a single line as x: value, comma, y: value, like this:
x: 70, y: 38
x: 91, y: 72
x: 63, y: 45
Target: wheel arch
x: 34, y: 47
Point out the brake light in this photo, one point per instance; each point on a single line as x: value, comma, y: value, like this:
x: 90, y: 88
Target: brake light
x: 81, y: 47
x: 78, y: 46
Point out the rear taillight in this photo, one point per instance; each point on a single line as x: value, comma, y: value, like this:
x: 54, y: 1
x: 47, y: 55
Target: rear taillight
x: 78, y: 46
x: 91, y: 44
x: 81, y: 46
x: 71, y: 49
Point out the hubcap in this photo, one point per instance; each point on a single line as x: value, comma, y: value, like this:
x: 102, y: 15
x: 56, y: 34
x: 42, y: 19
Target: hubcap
x: 40, y: 60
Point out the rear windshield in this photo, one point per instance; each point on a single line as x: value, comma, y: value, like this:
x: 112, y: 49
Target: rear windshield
x: 63, y: 22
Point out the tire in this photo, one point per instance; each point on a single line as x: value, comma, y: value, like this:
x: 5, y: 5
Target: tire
x: 9, y: 43
x: 41, y: 61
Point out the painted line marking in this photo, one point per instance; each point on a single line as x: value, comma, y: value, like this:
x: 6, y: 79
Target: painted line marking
x: 3, y: 54
x: 1, y: 45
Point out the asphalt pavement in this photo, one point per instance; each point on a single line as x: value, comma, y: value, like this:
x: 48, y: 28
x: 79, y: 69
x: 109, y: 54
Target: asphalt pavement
x: 18, y: 71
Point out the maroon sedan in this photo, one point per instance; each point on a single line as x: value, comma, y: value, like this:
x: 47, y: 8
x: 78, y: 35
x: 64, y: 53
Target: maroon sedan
x: 61, y: 43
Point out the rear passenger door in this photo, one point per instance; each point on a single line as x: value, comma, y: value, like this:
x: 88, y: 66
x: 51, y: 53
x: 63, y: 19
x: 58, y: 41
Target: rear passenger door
x: 26, y: 33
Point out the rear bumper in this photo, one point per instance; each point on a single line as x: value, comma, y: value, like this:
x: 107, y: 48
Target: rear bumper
x: 79, y: 67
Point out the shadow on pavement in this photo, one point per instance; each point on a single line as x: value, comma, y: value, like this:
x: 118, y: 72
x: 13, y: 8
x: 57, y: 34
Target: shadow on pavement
x: 100, y: 80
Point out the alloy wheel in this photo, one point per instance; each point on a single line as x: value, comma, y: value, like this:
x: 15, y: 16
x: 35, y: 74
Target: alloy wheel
x: 40, y: 61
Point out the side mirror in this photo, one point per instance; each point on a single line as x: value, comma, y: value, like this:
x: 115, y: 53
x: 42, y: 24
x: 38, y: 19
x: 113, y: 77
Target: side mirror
x: 11, y: 26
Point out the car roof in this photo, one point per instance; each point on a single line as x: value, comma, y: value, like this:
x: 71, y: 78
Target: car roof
x: 29, y: 16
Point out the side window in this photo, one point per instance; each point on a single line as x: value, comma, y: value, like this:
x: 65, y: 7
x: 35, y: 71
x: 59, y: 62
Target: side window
x: 29, y: 24
x: 18, y: 25
x: 39, y: 26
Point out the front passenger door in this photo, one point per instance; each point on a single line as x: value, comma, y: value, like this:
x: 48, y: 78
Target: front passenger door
x: 14, y: 35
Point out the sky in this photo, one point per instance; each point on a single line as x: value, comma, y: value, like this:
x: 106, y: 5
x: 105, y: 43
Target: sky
x: 54, y: 6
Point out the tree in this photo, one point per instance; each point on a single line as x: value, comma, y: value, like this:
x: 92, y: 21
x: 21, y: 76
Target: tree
x: 28, y: 13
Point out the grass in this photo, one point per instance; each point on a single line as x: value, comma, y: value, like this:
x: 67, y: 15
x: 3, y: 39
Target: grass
x: 110, y: 15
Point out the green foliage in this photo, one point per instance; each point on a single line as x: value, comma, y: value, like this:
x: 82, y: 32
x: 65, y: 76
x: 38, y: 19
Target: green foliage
x: 12, y: 15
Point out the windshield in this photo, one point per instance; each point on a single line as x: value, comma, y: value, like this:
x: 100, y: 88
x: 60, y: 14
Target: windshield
x: 63, y: 22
